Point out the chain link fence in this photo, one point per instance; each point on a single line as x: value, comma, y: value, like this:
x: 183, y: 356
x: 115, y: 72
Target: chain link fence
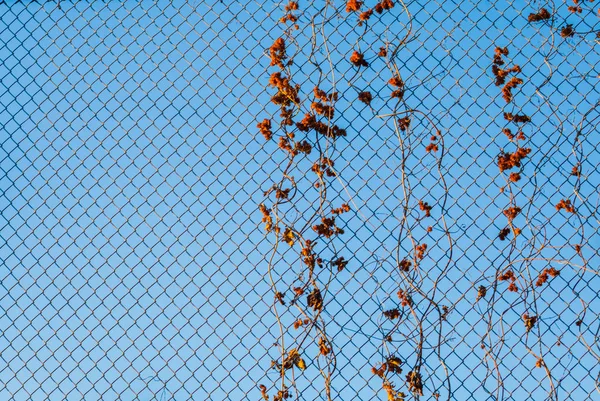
x: 134, y: 264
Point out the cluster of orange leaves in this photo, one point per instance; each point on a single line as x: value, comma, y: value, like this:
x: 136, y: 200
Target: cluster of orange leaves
x: 279, y: 297
x: 420, y: 251
x: 510, y: 85
x: 392, y: 313
x: 565, y: 204
x: 340, y: 263
x: 504, y: 233
x: 365, y: 97
x: 324, y: 110
x: 315, y: 300
x: 323, y: 96
x: 299, y: 147
x: 517, y: 118
x: 364, y: 16
x: 498, y: 53
x: 567, y: 31
x: 293, y: 358
x: 299, y: 323
x: 277, y: 53
x: 541, y: 15
x: 404, y: 123
x: 432, y: 145
x: 501, y: 74
x: 267, y: 219
x: 392, y: 364
x: 324, y: 166
x: 481, y: 292
x: 397, y: 82
x: 310, y: 122
x: 545, y: 274
x: 575, y: 171
x: 509, y: 275
x: 291, y: 6
x: 405, y: 299
x: 324, y: 348
x: 424, y: 206
x: 289, y: 236
x: 344, y: 208
x: 519, y: 137
x: 392, y: 394
x: 384, y: 5
x: 265, y: 129
x: 415, y: 383
x: 327, y: 228
x: 355, y: 6
x: 529, y: 321
x: 321, y: 107
x: 289, y: 16
x: 512, y: 212
x: 507, y: 161
x: 263, y: 392
x: 282, y: 193
x: 286, y: 93
x: 309, y: 257
x: 405, y: 265
x: 358, y: 59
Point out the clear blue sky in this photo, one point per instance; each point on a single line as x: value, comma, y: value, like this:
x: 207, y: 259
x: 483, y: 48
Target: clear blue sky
x: 132, y: 256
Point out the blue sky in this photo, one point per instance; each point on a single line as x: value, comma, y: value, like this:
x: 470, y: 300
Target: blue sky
x: 132, y: 256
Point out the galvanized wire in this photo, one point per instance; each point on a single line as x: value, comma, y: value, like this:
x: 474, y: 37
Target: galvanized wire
x: 133, y: 260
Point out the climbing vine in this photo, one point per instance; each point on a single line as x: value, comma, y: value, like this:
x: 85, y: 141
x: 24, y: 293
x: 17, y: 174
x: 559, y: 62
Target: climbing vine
x: 308, y: 133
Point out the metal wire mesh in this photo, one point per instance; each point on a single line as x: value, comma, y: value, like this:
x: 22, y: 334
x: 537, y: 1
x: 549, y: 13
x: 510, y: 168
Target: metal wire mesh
x: 133, y: 260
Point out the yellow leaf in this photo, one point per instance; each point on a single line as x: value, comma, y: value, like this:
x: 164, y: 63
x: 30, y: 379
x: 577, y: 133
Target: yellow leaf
x: 300, y: 363
x: 288, y: 236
